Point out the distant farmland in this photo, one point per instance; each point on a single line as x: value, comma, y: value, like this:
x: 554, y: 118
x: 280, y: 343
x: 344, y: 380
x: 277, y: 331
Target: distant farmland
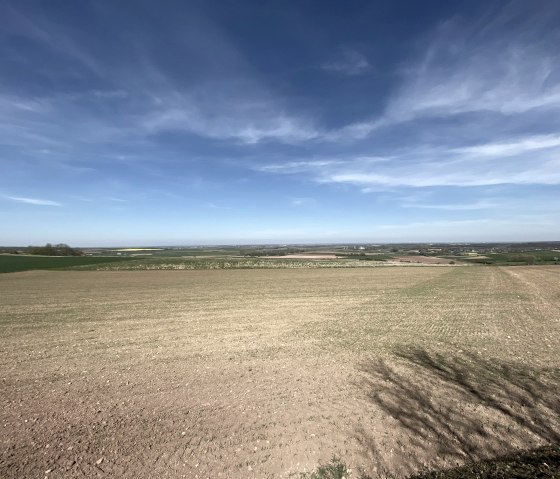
x: 267, y: 373
x: 12, y: 263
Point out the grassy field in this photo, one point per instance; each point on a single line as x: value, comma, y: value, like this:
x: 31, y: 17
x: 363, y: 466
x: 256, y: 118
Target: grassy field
x: 12, y: 263
x: 269, y: 372
x: 515, y: 258
x: 170, y: 263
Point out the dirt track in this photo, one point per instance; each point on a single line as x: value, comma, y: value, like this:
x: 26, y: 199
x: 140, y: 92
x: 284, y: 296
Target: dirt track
x: 266, y: 373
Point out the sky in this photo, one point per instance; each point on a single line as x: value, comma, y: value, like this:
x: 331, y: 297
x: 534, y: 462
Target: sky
x: 225, y: 122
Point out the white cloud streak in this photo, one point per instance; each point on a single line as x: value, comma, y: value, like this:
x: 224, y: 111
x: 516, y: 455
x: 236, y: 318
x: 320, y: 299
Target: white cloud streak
x: 227, y: 101
x: 302, y: 166
x: 350, y: 63
x: 478, y: 205
x: 247, y: 121
x: 513, y: 148
x: 302, y: 202
x: 33, y: 201
x: 467, y: 69
x: 490, y: 73
x: 421, y: 168
x: 214, y: 206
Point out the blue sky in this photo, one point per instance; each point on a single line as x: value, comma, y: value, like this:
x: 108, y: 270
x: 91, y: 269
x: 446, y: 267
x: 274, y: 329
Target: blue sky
x: 211, y: 122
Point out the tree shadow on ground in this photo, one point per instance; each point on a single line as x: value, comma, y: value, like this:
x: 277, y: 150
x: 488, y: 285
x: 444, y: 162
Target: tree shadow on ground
x: 443, y: 411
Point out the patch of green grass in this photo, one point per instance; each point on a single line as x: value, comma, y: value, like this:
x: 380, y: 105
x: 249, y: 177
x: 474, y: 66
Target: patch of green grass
x: 335, y: 469
x: 516, y: 258
x: 14, y: 263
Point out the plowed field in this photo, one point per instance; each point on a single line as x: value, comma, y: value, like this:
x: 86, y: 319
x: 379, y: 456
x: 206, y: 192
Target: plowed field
x: 266, y: 373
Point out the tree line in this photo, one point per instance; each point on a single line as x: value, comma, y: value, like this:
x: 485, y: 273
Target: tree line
x: 49, y: 249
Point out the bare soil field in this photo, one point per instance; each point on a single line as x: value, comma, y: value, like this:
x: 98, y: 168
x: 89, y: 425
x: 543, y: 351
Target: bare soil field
x: 267, y: 373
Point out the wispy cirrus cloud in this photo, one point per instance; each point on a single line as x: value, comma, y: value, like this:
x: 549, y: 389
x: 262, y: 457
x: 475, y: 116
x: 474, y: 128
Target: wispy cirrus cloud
x: 517, y: 147
x: 509, y: 82
x: 214, y: 206
x: 303, y: 201
x: 246, y: 120
x: 466, y: 68
x: 97, y: 106
x: 61, y: 41
x: 69, y: 121
x: 296, y: 166
x: 349, y: 62
x: 433, y: 167
x: 477, y: 205
x: 317, y: 165
x: 490, y: 75
x: 33, y: 201
x: 141, y: 99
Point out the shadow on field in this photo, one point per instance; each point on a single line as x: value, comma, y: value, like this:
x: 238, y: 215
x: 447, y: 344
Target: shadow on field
x: 448, y: 410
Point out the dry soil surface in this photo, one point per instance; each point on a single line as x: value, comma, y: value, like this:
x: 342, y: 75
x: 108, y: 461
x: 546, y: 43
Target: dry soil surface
x: 267, y: 373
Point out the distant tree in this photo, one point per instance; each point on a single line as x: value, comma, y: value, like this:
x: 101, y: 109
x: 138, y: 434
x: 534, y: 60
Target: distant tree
x: 60, y: 249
